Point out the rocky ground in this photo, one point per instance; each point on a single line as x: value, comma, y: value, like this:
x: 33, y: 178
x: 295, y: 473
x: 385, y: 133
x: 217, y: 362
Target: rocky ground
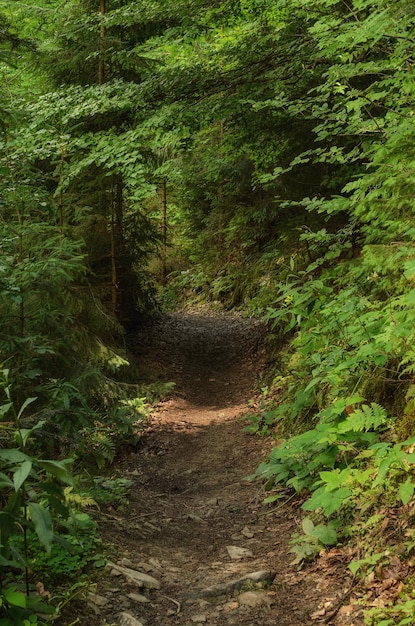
x: 195, y: 544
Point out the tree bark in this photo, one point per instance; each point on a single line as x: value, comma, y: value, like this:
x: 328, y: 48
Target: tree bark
x: 114, y: 277
x: 101, y: 67
x: 164, y: 231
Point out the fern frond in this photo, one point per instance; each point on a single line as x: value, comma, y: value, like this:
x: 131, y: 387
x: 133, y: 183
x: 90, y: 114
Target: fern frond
x: 364, y: 419
x: 77, y: 499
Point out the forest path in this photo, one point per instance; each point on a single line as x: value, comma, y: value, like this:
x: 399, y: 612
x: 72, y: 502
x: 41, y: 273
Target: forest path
x: 190, y: 501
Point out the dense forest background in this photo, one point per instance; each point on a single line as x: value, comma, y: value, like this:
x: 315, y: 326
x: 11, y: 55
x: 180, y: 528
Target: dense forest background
x: 256, y: 153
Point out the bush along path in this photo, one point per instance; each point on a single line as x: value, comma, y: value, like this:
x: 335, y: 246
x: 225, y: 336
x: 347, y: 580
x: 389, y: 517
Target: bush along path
x: 194, y: 543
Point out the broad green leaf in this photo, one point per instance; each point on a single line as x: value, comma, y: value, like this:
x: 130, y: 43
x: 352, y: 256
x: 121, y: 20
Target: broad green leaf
x: 23, y: 434
x: 325, y: 534
x: 5, y: 481
x: 58, y: 469
x: 330, y: 502
x: 8, y: 563
x: 13, y: 505
x: 308, y: 526
x: 21, y: 474
x: 354, y: 566
x: 13, y: 455
x: 42, y: 522
x: 5, y: 408
x: 15, y: 598
x: 406, y: 490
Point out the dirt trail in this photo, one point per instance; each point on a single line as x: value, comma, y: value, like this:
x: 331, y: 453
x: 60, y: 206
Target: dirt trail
x: 190, y: 501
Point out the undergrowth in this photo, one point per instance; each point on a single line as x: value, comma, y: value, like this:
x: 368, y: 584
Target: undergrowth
x: 343, y: 397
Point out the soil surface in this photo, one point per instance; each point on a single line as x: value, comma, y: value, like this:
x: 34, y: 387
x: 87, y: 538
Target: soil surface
x: 192, y: 521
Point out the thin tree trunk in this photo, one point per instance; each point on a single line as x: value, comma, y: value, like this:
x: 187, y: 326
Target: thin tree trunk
x: 164, y: 231
x: 22, y: 313
x: 114, y: 287
x: 220, y: 235
x: 119, y: 239
x: 119, y: 213
x: 61, y: 167
x: 101, y: 68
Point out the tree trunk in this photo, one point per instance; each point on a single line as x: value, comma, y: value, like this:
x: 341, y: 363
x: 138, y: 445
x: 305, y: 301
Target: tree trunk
x: 61, y: 169
x: 101, y: 68
x: 164, y: 231
x: 114, y: 286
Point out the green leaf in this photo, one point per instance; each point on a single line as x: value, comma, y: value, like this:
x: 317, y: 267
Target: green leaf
x: 330, y: 502
x: 326, y: 534
x: 5, y: 408
x: 354, y: 566
x: 15, y: 598
x: 406, y: 490
x: 24, y: 406
x: 13, y: 456
x: 23, y: 434
x: 42, y: 522
x: 21, y: 474
x: 308, y: 526
x: 58, y: 469
x: 5, y: 481
x: 273, y: 498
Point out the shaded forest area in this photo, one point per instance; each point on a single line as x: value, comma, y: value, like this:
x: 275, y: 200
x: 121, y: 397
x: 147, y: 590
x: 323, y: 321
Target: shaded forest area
x: 254, y: 154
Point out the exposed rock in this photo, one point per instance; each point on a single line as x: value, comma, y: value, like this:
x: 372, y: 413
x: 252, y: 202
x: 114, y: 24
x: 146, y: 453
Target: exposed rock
x: 126, y: 563
x: 138, y: 597
x: 254, y: 599
x: 115, y: 572
x: 232, y: 585
x: 237, y: 553
x: 155, y: 563
x: 247, y: 532
x: 199, y: 619
x: 126, y: 619
x: 138, y: 578
x: 212, y: 502
x: 96, y: 599
x: 145, y: 567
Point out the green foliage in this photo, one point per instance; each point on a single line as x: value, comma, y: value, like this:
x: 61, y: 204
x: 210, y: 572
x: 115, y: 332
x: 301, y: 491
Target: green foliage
x: 71, y: 556
x: 108, y: 490
x: 33, y: 498
x: 314, y: 538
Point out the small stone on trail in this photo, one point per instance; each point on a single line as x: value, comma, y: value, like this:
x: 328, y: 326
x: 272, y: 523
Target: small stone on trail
x: 236, y: 553
x: 247, y: 532
x: 126, y: 619
x: 194, y: 518
x: 146, y: 567
x: 115, y: 572
x: 96, y: 599
x: 138, y: 597
x: 140, y: 579
x: 254, y: 599
x: 212, y: 502
x: 199, y: 619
